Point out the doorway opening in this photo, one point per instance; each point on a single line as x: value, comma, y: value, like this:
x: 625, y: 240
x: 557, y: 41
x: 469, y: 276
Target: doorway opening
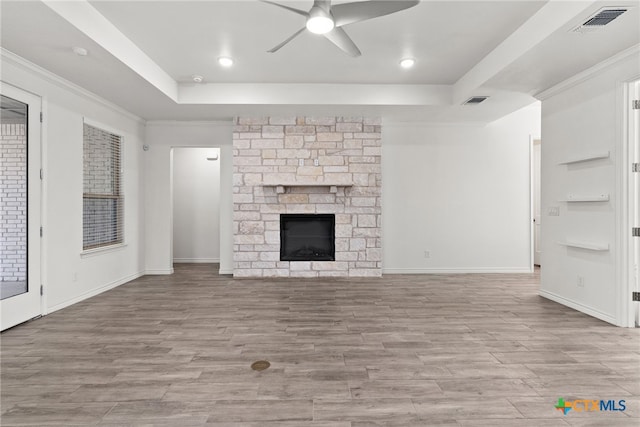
x: 633, y: 141
x: 195, y: 189
x: 536, y: 153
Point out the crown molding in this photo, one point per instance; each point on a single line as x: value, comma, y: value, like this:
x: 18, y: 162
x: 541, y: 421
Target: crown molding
x: 588, y: 73
x: 431, y: 125
x: 56, y: 80
x: 190, y: 123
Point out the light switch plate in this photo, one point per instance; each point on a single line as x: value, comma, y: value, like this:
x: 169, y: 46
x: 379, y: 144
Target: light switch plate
x: 553, y: 211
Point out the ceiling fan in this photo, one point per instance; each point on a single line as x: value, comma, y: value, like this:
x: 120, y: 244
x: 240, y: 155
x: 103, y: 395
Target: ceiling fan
x: 328, y: 20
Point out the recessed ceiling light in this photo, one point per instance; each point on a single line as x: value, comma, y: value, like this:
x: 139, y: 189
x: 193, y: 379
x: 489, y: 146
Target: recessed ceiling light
x: 80, y: 51
x: 225, y: 61
x: 407, y: 63
x: 197, y: 79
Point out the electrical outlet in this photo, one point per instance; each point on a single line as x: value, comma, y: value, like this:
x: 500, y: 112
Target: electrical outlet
x: 580, y: 282
x: 427, y: 254
x: 553, y: 211
x: 316, y: 162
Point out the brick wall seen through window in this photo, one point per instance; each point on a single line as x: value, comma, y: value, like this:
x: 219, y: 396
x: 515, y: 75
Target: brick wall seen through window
x: 103, y: 202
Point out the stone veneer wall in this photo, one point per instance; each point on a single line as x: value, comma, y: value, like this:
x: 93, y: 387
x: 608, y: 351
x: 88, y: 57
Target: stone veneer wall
x: 269, y: 151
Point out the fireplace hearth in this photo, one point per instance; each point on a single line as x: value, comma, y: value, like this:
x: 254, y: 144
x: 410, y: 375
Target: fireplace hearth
x: 307, y: 237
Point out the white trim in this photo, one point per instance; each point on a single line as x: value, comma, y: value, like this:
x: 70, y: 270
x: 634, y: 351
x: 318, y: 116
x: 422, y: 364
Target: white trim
x: 159, y: 272
x: 95, y: 292
x: 532, y: 214
x: 579, y: 307
x: 625, y: 263
x: 187, y: 123
x: 488, y: 270
x: 44, y: 188
x: 196, y: 260
x: 421, y: 125
x: 588, y: 73
x: 65, y: 84
x: 225, y: 271
x: 101, y: 250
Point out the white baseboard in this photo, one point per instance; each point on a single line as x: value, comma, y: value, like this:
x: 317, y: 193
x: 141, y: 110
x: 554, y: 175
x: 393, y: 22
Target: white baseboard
x: 94, y: 292
x: 196, y: 260
x: 579, y: 307
x: 160, y: 271
x: 225, y: 271
x: 505, y: 270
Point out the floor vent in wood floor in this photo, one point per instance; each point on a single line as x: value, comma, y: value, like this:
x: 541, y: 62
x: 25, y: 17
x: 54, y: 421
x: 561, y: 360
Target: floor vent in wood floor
x: 260, y: 365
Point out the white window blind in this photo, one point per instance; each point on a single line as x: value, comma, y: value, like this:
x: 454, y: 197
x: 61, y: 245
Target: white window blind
x: 103, y: 202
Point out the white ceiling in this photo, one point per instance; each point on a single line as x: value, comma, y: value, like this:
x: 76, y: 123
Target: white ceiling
x: 142, y: 55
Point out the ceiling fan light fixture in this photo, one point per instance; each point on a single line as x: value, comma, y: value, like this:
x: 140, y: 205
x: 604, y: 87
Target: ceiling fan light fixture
x: 225, y: 61
x: 319, y: 21
x: 407, y: 62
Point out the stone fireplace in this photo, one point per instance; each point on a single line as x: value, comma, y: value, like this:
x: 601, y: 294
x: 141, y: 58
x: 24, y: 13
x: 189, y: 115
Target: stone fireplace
x: 302, y: 166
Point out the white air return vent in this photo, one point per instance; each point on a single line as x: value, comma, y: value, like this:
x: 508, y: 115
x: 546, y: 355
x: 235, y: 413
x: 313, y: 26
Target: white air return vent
x: 600, y: 19
x: 475, y: 100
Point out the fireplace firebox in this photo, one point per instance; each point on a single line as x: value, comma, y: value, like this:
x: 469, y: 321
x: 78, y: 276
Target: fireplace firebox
x: 307, y: 237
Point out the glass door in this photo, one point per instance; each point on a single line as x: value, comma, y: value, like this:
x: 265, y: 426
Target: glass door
x: 20, y: 189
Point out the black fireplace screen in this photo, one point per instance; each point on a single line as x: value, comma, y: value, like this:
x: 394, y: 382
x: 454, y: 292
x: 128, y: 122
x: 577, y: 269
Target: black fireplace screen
x: 306, y: 237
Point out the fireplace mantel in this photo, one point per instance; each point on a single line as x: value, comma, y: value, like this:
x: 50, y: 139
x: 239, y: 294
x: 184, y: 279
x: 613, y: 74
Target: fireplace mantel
x: 282, y: 186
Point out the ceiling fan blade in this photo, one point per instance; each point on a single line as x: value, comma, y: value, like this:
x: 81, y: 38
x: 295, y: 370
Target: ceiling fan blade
x: 292, y: 9
x: 348, y: 13
x: 340, y: 38
x: 275, y: 49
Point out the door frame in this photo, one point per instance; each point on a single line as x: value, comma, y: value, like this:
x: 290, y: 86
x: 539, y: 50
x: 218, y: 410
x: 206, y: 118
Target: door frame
x: 629, y: 270
x: 625, y: 274
x: 35, y: 211
x: 172, y: 149
x: 532, y: 139
x: 535, y: 140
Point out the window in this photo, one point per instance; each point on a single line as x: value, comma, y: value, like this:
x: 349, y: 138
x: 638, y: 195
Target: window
x: 103, y: 202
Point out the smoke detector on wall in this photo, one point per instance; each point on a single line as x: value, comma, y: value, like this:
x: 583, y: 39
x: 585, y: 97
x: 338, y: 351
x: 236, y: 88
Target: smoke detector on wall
x: 599, y: 19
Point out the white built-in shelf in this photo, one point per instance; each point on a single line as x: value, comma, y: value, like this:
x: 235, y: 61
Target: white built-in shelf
x: 333, y: 185
x: 572, y: 198
x: 586, y: 158
x: 598, y: 247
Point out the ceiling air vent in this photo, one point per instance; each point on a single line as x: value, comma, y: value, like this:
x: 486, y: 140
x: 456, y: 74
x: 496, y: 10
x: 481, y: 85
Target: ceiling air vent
x: 600, y: 19
x: 475, y: 100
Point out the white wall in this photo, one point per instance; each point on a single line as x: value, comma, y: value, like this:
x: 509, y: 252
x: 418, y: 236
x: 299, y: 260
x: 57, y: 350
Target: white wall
x: 581, y: 118
x: 462, y: 193
x: 69, y: 277
x: 162, y: 137
x: 196, y: 205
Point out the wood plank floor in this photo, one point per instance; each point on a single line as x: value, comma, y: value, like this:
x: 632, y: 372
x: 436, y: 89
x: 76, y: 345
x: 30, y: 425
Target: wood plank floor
x: 436, y: 350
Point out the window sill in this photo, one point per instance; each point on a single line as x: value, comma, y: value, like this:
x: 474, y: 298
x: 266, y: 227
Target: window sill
x: 99, y: 251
